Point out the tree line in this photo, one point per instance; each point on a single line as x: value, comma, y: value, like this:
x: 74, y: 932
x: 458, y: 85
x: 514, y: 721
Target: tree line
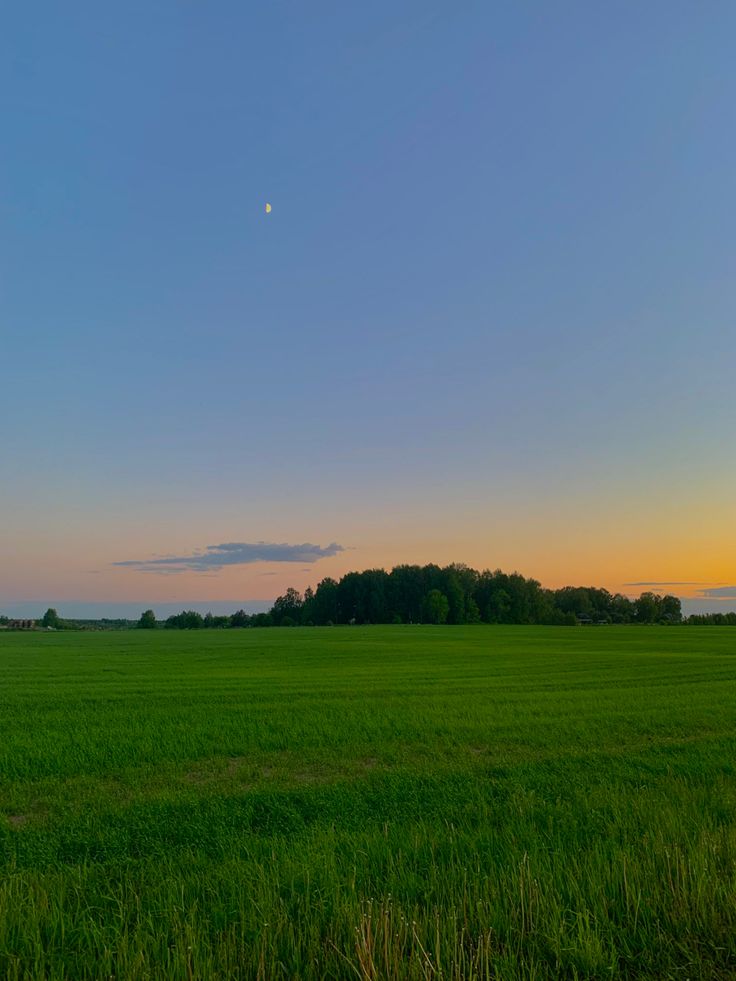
x: 454, y: 594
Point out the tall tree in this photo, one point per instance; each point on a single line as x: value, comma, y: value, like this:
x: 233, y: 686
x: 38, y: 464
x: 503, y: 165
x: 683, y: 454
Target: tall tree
x: 51, y: 618
x: 647, y: 608
x: 671, y: 609
x: 325, y: 602
x: 147, y: 620
x: 436, y: 607
x: 288, y: 608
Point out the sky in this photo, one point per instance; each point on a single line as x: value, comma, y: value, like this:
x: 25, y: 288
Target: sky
x: 490, y: 318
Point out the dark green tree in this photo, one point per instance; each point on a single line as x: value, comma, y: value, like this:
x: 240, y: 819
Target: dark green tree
x: 472, y: 613
x: 147, y: 620
x: 375, y: 596
x: 215, y: 622
x: 51, y: 619
x: 647, y: 608
x: 671, y: 609
x: 261, y: 620
x: 308, y: 608
x: 406, y: 592
x: 324, y: 605
x: 453, y: 590
x: 186, y: 620
x: 287, y: 606
x: 499, y: 607
x: 436, y: 607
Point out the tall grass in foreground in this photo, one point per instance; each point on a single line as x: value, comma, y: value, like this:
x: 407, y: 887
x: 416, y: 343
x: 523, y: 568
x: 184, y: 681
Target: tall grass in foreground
x: 377, y: 803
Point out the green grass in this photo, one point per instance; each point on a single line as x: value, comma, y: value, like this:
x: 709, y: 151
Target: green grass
x: 380, y: 802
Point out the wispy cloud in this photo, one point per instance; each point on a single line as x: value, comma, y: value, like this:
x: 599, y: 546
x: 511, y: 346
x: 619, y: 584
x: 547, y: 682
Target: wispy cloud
x: 213, y: 558
x: 722, y: 592
x: 660, y: 583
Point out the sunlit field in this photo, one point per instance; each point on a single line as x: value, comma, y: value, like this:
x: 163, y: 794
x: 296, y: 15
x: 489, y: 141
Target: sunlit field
x: 369, y: 802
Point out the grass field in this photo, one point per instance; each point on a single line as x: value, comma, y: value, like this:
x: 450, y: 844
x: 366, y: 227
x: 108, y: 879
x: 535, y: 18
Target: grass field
x: 403, y: 802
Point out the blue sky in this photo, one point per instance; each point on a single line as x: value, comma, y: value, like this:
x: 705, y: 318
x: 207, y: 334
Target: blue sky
x: 489, y: 319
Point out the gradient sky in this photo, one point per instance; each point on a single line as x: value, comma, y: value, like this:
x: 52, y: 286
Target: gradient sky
x: 490, y: 319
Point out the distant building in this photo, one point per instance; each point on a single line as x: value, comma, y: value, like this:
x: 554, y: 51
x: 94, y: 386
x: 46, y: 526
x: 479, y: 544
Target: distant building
x: 21, y: 624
